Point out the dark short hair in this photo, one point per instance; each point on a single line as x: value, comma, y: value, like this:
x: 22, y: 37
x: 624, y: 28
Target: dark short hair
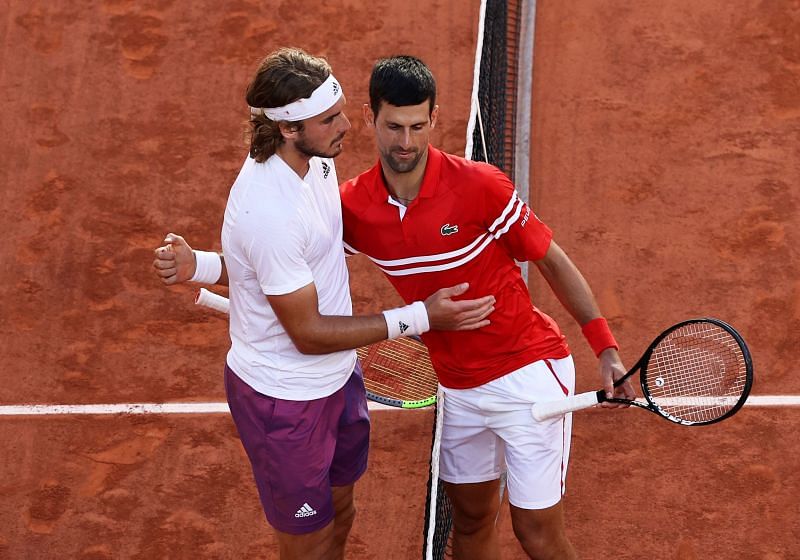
x: 401, y: 81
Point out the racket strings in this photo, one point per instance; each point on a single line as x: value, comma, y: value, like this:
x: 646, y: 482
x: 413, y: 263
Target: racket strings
x: 399, y: 369
x: 697, y: 373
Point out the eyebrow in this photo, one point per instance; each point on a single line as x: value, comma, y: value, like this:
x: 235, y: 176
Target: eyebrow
x: 419, y: 123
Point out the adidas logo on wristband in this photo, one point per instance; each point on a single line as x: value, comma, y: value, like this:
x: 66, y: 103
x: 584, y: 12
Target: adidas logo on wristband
x: 406, y: 321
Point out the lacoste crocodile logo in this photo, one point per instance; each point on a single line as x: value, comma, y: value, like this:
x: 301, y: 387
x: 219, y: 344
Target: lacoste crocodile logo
x: 447, y: 229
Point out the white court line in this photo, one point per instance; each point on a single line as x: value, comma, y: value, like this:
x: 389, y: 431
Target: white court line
x: 130, y: 408
x: 222, y: 408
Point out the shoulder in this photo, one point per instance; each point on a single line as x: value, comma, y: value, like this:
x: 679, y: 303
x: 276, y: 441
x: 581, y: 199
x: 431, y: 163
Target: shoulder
x: 263, y: 201
x: 355, y: 192
x: 468, y: 174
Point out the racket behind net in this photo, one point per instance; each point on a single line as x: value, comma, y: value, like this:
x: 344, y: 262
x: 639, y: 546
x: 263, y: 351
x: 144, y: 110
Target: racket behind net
x: 399, y: 373
x: 694, y: 373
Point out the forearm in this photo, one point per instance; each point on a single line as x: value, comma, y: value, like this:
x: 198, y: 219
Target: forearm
x: 331, y: 333
x: 315, y: 333
x: 572, y: 290
x: 568, y: 285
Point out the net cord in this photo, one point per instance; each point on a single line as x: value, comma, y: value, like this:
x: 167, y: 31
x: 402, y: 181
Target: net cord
x: 476, y: 72
x: 437, y: 444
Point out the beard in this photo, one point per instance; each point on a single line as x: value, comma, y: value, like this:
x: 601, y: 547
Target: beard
x: 306, y: 148
x: 398, y: 165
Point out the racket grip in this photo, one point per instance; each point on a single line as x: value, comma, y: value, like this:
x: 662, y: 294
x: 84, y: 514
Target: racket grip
x: 551, y: 409
x: 212, y: 300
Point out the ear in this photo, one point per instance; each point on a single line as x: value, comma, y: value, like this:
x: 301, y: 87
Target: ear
x: 369, y: 116
x: 288, y: 130
x: 434, y: 116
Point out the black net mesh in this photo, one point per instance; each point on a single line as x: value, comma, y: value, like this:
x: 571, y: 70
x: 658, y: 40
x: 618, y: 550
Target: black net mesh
x: 493, y: 136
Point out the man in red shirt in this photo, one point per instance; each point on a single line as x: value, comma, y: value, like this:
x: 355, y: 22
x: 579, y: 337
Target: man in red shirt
x: 429, y: 219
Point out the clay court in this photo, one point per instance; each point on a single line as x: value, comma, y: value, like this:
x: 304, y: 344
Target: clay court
x: 664, y: 156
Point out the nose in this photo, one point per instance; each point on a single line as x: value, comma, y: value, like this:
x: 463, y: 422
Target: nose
x: 405, y: 138
x: 345, y: 123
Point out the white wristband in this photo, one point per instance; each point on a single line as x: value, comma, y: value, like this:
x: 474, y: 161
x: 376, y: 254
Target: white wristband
x: 208, y: 269
x: 411, y: 320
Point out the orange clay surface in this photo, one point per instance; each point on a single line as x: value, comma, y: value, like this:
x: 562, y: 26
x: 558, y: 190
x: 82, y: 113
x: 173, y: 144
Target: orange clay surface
x: 664, y: 157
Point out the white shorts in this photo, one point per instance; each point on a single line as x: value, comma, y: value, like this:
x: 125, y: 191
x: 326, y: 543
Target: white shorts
x: 478, y: 444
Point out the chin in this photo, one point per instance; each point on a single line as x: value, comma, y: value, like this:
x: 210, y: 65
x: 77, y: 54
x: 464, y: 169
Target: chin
x: 335, y: 151
x: 403, y: 167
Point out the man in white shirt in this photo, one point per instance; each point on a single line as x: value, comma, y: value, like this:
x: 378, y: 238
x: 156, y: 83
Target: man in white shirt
x: 293, y: 385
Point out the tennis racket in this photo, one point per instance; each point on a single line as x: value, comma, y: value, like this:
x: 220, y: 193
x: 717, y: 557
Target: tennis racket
x: 397, y: 372
x: 696, y: 372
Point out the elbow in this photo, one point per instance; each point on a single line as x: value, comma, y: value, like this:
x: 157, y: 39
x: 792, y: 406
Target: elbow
x: 310, y: 335
x: 308, y: 348
x: 309, y: 345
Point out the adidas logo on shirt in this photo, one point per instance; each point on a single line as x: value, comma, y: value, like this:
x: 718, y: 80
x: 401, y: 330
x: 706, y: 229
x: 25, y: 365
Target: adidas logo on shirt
x: 326, y: 169
x: 305, y: 511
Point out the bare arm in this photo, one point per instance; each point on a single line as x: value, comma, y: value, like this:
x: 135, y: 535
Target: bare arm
x: 568, y: 284
x: 572, y: 290
x: 314, y: 333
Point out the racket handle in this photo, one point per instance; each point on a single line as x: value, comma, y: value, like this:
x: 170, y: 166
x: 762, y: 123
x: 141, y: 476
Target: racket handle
x: 212, y: 300
x: 551, y: 409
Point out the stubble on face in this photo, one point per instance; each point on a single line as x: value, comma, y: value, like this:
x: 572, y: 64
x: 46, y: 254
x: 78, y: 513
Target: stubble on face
x: 403, y: 134
x: 308, y: 149
x: 400, y: 160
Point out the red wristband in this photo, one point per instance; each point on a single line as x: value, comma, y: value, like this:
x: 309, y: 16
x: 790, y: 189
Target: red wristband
x: 598, y: 335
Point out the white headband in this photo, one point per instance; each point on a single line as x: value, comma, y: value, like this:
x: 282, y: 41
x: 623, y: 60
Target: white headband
x: 322, y: 99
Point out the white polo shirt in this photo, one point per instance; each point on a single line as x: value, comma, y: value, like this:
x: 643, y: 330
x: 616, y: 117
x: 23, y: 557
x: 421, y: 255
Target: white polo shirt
x: 282, y: 233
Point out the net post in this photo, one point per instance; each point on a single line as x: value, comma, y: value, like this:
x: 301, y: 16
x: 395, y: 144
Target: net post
x: 522, y: 134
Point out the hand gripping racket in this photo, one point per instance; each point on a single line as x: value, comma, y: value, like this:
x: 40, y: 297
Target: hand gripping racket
x: 694, y: 373
x: 397, y: 372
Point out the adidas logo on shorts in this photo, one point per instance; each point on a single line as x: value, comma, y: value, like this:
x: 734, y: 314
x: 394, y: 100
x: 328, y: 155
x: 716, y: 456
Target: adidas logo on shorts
x: 305, y: 511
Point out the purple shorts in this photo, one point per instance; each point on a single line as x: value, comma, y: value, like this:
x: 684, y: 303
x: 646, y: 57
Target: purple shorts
x: 300, y: 449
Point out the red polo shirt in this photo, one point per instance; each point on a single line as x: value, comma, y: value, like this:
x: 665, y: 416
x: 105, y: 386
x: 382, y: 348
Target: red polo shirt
x: 466, y: 225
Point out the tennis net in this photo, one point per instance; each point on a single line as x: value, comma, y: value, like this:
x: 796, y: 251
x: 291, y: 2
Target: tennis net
x: 499, y: 93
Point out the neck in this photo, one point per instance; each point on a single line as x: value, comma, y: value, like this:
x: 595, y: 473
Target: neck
x: 404, y: 187
x: 295, y: 159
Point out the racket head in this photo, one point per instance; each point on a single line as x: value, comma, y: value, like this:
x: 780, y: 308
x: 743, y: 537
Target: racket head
x: 697, y: 372
x: 399, y: 373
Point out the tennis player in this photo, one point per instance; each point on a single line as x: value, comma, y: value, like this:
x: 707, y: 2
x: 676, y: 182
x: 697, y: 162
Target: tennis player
x: 294, y: 388
x: 430, y: 219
